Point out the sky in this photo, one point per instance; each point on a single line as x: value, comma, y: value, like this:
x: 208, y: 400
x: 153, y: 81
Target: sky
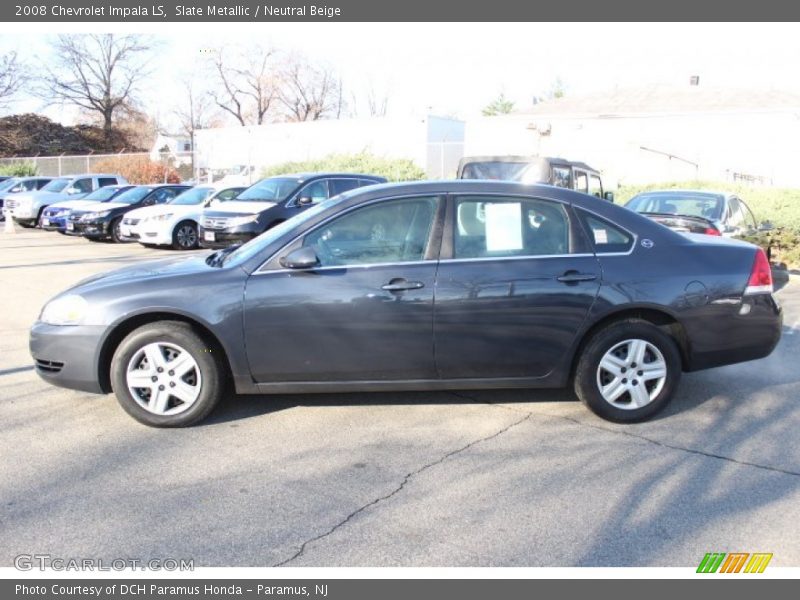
x: 457, y: 68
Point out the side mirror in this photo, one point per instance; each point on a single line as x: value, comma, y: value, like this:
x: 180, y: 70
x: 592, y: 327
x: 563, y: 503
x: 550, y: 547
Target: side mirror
x: 72, y: 190
x: 609, y: 196
x: 302, y: 258
x: 305, y: 201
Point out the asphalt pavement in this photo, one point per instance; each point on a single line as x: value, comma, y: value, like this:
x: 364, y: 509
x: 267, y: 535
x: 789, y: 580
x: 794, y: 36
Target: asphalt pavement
x: 475, y: 478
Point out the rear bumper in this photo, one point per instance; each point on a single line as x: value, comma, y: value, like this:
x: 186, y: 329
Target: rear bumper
x: 735, y: 333
x: 67, y: 356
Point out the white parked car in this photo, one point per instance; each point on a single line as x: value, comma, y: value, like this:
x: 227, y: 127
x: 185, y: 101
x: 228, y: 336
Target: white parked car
x: 174, y: 223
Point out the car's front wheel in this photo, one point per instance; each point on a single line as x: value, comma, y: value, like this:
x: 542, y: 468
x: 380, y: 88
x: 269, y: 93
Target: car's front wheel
x: 628, y: 371
x: 115, y: 230
x: 165, y: 375
x: 185, y: 237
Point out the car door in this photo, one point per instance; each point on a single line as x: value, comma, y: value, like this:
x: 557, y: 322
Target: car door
x: 364, y: 313
x: 515, y: 285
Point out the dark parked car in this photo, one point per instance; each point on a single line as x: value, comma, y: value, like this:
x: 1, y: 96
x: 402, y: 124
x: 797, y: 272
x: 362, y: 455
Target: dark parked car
x: 420, y: 286
x: 103, y: 222
x: 535, y: 169
x: 696, y: 211
x: 55, y: 216
x: 272, y: 201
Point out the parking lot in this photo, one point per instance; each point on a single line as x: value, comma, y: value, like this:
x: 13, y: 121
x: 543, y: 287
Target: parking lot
x: 476, y: 478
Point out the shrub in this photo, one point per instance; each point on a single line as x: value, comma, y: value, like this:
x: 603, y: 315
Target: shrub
x: 138, y: 169
x: 393, y: 169
x: 18, y: 169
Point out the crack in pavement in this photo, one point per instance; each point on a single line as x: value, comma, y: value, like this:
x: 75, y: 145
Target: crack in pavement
x: 637, y: 436
x: 399, y: 488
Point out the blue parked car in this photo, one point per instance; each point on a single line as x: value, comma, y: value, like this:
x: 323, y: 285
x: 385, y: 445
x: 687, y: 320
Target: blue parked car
x: 54, y: 217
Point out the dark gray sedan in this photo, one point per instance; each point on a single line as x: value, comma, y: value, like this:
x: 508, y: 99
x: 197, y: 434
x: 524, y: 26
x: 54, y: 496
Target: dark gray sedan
x: 420, y: 286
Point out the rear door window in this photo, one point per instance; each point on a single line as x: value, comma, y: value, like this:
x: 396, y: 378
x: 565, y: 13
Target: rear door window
x: 104, y: 181
x: 497, y: 226
x: 337, y: 186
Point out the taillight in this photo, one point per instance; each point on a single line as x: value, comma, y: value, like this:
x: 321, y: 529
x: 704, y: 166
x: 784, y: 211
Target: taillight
x: 760, y: 276
x: 712, y: 231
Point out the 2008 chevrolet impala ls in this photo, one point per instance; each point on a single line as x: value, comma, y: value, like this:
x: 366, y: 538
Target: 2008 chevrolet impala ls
x: 420, y: 286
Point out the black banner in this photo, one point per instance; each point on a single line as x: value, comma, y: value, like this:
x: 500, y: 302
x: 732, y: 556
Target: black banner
x: 384, y: 589
x: 262, y: 11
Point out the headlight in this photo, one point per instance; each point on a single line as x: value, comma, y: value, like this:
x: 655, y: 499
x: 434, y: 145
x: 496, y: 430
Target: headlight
x: 237, y: 221
x: 95, y: 215
x: 66, y: 310
x: 160, y: 217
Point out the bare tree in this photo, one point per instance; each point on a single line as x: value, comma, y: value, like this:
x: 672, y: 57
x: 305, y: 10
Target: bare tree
x: 247, y: 83
x: 96, y: 72
x: 196, y: 110
x: 309, y: 92
x: 11, y: 77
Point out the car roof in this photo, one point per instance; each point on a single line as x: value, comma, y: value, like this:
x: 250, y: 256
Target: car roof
x: 307, y: 176
x: 519, y: 158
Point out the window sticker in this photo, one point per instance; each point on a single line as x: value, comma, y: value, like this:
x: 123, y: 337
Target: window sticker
x: 503, y: 226
x: 600, y: 236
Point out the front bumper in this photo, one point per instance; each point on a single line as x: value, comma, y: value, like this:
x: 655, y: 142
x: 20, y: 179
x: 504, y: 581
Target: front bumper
x: 222, y: 238
x: 93, y: 229
x: 53, y: 223
x: 67, y: 355
x: 147, y: 233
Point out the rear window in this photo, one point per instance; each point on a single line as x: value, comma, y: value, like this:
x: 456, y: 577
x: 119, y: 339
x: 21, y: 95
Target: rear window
x: 606, y: 237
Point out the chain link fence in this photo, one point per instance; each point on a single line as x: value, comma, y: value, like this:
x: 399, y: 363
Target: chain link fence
x: 56, y: 166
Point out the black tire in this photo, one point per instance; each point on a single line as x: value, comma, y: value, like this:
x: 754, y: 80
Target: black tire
x: 208, y: 359
x: 185, y: 236
x: 93, y: 239
x: 588, y: 375
x: 114, y: 234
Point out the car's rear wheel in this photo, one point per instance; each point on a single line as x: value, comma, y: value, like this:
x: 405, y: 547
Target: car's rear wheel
x: 165, y: 375
x: 185, y: 237
x: 628, y: 371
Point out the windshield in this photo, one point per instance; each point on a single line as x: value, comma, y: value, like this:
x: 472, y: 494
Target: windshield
x: 688, y: 204
x: 196, y: 195
x: 101, y: 194
x: 133, y: 195
x: 56, y: 185
x: 269, y: 190
x: 8, y: 184
x: 257, y: 244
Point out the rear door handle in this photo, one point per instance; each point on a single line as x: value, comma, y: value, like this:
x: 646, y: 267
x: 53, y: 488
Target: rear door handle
x: 575, y: 277
x: 401, y: 285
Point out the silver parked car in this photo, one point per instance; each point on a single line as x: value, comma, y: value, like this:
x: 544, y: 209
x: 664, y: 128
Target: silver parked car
x: 27, y: 208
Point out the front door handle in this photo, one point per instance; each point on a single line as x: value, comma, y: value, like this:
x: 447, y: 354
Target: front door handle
x: 401, y: 285
x: 576, y: 277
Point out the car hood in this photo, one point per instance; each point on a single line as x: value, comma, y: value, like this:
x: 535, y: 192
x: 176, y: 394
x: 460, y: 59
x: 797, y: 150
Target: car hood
x: 242, y: 208
x: 164, y: 209
x: 73, y: 204
x: 168, y: 267
x: 102, y: 206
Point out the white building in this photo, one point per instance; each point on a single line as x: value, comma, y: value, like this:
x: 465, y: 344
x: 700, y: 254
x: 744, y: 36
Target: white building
x: 433, y: 143
x: 658, y: 133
